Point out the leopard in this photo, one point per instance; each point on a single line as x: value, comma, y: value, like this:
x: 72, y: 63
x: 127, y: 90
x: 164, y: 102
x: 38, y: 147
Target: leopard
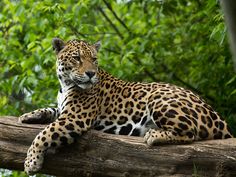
x: 91, y: 98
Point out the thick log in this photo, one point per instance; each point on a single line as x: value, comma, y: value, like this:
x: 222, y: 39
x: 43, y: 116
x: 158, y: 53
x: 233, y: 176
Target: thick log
x: 100, y: 154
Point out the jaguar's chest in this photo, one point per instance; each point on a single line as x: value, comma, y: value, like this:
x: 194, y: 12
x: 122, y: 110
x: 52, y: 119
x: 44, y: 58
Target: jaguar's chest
x: 60, y: 98
x: 74, y: 97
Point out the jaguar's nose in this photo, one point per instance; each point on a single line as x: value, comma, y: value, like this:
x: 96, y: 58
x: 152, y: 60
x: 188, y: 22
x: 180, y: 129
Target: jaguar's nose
x: 90, y: 74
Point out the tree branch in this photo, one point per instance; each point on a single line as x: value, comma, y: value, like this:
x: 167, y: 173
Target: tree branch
x: 111, y: 50
x: 100, y: 154
x: 75, y: 31
x: 158, y: 18
x: 110, y: 22
x: 116, y: 16
x: 145, y: 70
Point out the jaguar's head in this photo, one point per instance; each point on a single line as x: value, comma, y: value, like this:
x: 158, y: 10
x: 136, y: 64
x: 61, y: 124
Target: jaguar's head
x: 76, y: 62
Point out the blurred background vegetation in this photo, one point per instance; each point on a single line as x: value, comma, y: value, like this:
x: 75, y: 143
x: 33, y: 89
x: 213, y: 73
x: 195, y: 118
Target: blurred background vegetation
x: 183, y: 42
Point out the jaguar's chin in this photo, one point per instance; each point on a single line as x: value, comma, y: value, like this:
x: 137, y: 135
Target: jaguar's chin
x: 85, y: 86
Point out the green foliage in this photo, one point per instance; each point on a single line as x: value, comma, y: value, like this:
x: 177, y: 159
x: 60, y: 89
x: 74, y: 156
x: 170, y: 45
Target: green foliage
x: 181, y: 42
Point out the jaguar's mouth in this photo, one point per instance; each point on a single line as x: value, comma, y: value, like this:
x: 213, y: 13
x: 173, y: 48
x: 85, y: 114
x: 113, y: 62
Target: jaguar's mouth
x: 90, y: 81
x: 86, y: 82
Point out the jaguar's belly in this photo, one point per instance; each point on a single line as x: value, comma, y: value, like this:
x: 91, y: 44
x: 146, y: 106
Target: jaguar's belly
x: 124, y: 125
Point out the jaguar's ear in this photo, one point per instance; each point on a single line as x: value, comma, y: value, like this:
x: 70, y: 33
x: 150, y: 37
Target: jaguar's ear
x: 97, y: 45
x: 57, y: 44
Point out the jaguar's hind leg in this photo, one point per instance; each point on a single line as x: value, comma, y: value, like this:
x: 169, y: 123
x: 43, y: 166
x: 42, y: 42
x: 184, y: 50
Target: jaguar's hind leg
x: 153, y: 137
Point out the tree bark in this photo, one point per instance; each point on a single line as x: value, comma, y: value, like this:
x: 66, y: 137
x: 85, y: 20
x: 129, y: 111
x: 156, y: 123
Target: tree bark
x: 100, y: 154
x: 229, y: 8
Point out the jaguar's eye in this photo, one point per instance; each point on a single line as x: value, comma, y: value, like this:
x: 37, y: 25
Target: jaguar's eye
x: 95, y: 60
x: 76, y: 57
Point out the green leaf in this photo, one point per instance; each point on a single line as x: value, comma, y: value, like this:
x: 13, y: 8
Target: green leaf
x: 31, y: 45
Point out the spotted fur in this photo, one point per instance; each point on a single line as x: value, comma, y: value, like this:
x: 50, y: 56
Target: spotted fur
x: 89, y: 97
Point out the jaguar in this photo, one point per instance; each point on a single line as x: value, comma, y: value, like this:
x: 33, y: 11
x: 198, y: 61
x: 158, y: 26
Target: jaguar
x: 91, y: 98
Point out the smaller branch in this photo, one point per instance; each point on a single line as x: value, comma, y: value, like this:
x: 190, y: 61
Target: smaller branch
x: 111, y: 50
x: 159, y: 14
x: 75, y: 31
x: 110, y: 22
x: 146, y: 71
x: 116, y: 16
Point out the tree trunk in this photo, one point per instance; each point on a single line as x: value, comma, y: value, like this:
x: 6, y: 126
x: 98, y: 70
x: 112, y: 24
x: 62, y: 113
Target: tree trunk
x: 229, y: 8
x: 100, y: 154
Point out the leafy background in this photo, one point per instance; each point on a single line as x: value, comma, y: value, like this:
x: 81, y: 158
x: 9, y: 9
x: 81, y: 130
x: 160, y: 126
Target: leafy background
x: 183, y: 42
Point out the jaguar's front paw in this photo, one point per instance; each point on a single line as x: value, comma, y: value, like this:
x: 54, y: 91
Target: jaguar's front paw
x: 31, y: 117
x: 33, y: 162
x: 150, y: 137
